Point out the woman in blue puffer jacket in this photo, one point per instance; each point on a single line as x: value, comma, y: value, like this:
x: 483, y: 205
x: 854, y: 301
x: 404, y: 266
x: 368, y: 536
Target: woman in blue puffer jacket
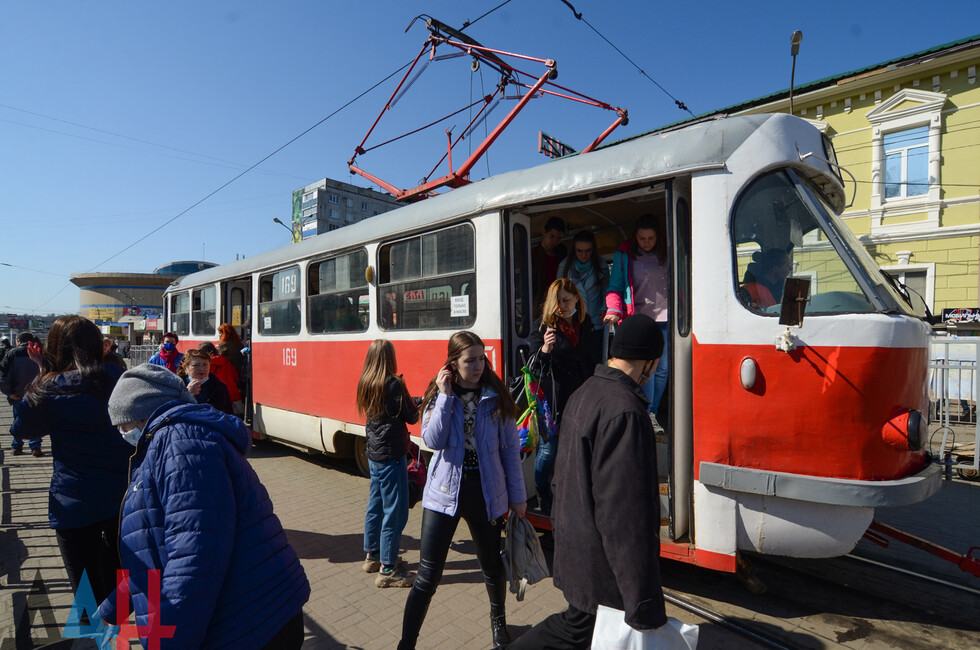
x: 197, y: 515
x: 470, y: 421
x: 69, y: 402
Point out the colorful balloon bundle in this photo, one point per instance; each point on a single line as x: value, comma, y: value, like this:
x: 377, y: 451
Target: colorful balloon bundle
x: 536, y: 423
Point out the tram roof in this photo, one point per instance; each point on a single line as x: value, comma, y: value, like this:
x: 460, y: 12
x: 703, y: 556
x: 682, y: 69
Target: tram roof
x: 685, y: 149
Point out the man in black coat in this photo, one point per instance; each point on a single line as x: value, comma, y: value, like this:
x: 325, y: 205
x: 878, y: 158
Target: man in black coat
x: 606, y: 512
x: 17, y: 371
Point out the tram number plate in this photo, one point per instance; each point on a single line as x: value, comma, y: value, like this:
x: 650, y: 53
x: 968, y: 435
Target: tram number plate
x: 289, y: 357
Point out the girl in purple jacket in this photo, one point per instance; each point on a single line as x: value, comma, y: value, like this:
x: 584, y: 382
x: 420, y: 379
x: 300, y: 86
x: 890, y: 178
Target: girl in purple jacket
x: 475, y: 474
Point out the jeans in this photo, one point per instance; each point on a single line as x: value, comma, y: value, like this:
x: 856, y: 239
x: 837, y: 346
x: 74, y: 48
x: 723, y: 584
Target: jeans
x: 387, y: 509
x: 91, y: 549
x: 568, y: 630
x: 656, y: 386
x: 17, y: 443
x: 437, y: 534
x: 543, y: 465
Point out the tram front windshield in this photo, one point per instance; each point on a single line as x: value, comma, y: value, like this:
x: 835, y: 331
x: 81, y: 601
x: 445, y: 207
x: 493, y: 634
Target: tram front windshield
x: 781, y: 228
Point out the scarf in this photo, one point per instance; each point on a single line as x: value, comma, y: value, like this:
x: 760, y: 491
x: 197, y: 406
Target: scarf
x: 585, y: 269
x: 569, y: 330
x: 170, y: 357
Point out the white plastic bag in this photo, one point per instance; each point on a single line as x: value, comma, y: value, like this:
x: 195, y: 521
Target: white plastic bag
x: 612, y: 633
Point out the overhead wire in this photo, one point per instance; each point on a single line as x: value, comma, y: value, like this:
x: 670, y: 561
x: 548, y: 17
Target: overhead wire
x: 681, y: 105
x: 232, y: 180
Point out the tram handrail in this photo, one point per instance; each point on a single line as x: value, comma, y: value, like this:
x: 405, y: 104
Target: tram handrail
x: 953, y: 377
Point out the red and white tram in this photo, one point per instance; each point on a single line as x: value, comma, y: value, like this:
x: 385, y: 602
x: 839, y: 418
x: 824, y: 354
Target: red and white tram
x: 782, y: 440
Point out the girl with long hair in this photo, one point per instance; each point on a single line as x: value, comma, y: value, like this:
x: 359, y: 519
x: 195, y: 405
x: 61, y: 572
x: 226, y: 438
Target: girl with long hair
x: 230, y: 346
x: 383, y: 399
x: 640, y: 284
x: 69, y: 402
x: 475, y: 474
x: 586, y: 269
x: 562, y: 348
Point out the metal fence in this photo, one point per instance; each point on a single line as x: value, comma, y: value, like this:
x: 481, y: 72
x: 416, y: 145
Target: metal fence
x: 953, y: 363
x: 141, y: 353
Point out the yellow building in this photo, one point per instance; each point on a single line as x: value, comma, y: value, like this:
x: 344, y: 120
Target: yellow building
x: 909, y: 132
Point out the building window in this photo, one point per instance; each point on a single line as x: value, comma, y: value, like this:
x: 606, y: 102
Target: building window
x: 906, y: 162
x: 349, y: 217
x: 350, y: 203
x: 364, y: 205
x: 906, y: 143
x: 334, y: 198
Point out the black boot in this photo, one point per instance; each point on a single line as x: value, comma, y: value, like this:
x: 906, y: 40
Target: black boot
x: 498, y: 626
x: 415, y: 609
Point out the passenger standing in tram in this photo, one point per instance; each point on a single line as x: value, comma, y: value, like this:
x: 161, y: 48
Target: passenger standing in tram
x: 587, y: 270
x: 230, y: 346
x: 469, y: 420
x: 383, y: 399
x: 764, y: 278
x: 195, y: 370
x: 545, y: 258
x: 607, y: 503
x: 168, y: 356
x: 561, y: 349
x: 69, y: 401
x: 640, y: 284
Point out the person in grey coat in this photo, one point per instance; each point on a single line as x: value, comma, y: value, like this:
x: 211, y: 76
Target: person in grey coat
x: 606, y: 510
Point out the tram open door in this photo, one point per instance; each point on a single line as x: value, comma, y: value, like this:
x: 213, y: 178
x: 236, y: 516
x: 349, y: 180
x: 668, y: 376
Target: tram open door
x: 237, y: 309
x: 611, y: 217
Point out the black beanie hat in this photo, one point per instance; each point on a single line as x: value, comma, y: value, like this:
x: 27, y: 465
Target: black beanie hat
x: 638, y: 338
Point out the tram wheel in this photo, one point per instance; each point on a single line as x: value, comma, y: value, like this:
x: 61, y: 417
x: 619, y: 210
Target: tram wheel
x: 360, y: 455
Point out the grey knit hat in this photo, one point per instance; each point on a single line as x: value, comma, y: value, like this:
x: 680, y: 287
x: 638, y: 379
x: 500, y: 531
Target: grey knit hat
x: 142, y: 390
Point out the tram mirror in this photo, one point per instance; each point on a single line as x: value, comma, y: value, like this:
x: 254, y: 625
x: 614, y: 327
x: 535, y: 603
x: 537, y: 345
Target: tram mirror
x: 796, y: 291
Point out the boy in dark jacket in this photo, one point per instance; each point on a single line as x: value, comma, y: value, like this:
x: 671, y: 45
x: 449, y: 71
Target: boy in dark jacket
x: 607, y: 507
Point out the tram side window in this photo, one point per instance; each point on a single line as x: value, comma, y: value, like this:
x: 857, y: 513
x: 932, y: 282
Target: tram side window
x: 180, y: 316
x: 204, y: 311
x: 279, y: 303
x: 776, y: 236
x: 428, y: 282
x: 337, y: 294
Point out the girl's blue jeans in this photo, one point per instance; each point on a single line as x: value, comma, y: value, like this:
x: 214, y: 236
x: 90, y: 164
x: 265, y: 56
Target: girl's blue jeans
x: 387, y: 509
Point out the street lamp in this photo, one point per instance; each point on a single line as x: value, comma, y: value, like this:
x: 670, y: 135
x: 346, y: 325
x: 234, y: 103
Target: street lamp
x: 289, y: 228
x: 794, y: 42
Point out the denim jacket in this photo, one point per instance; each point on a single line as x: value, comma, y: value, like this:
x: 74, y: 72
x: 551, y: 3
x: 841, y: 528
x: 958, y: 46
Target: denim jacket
x: 497, y: 445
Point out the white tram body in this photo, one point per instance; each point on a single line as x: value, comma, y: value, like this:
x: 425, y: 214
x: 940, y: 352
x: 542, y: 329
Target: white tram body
x: 782, y: 450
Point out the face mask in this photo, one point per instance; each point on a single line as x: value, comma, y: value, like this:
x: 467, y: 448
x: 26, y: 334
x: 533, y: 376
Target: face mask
x: 169, y: 347
x: 132, y: 436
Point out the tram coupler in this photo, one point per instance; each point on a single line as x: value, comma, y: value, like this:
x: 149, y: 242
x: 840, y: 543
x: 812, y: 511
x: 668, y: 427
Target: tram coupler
x: 970, y: 563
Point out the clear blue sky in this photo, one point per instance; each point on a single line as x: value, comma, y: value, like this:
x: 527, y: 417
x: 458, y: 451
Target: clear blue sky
x: 115, y: 116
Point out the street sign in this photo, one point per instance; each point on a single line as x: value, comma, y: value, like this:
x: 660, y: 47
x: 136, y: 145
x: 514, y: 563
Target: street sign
x: 552, y: 147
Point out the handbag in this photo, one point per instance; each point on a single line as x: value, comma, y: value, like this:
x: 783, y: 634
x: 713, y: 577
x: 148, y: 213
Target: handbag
x: 417, y: 473
x: 522, y: 556
x: 612, y: 633
x: 535, y: 424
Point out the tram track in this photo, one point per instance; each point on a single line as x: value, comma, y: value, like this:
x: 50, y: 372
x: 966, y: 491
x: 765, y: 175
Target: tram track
x: 726, y: 623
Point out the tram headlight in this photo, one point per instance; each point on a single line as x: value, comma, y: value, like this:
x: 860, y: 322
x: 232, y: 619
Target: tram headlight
x: 907, y: 430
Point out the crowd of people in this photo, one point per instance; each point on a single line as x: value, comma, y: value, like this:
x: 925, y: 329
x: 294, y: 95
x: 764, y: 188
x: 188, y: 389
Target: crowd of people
x: 150, y: 469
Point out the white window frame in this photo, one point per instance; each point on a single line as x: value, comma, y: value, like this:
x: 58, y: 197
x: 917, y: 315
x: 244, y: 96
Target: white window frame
x: 899, y: 270
x: 925, y: 109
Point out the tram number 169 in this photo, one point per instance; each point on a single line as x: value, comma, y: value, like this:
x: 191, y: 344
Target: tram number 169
x: 289, y: 356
